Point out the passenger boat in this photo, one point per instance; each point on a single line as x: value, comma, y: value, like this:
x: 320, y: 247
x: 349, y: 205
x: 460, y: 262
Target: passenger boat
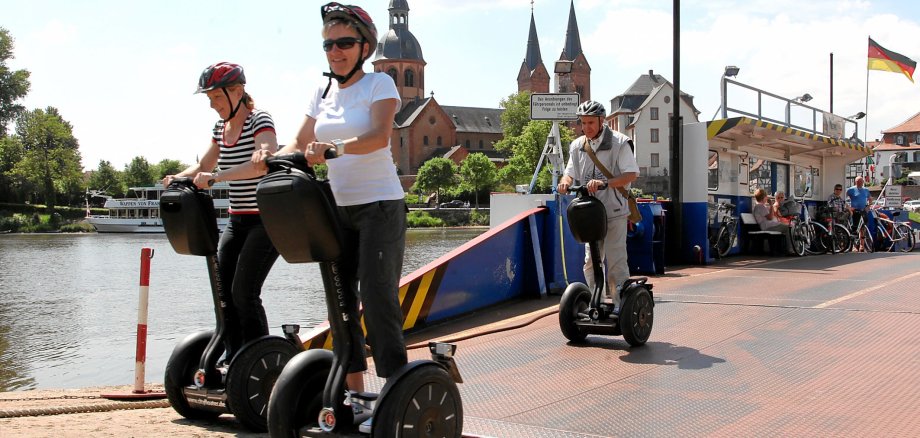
x: 140, y: 211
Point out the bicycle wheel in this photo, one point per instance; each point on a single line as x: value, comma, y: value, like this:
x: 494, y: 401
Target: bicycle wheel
x: 842, y: 236
x: 799, y: 239
x: 814, y: 242
x: 905, y: 235
x: 865, y: 239
x: 723, y: 241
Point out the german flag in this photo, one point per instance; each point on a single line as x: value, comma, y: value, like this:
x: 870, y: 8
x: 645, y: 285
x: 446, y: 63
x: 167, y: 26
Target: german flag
x: 883, y: 59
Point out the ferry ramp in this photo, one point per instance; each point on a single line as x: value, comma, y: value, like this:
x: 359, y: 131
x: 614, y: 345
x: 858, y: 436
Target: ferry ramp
x: 814, y: 346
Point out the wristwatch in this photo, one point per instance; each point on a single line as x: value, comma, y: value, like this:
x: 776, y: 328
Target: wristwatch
x: 339, y: 147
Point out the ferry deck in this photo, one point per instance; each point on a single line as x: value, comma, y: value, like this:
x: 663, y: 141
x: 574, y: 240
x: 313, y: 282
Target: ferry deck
x: 786, y: 346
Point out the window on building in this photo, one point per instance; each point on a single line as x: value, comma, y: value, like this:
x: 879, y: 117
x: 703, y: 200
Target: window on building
x: 654, y: 135
x: 899, y: 140
x: 480, y: 144
x: 410, y: 78
x: 917, y: 138
x: 916, y: 156
x: 439, y: 140
x: 653, y: 113
x: 655, y: 159
x: 804, y: 181
x: 393, y: 74
x: 629, y: 120
x: 467, y: 144
x: 425, y: 140
x: 713, y: 170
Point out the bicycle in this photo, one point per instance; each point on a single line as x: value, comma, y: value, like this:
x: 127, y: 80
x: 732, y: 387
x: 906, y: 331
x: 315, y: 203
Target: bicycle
x: 897, y: 234
x: 724, y: 239
x: 839, y: 239
x: 804, y: 231
x: 862, y: 239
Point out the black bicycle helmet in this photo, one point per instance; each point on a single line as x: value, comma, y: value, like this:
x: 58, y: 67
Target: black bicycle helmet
x: 220, y: 75
x: 591, y: 108
x: 223, y: 75
x: 362, y: 22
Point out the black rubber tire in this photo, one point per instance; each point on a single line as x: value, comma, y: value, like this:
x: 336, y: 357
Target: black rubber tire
x: 723, y: 242
x: 425, y: 402
x: 798, y: 239
x: 180, y: 371
x: 865, y: 239
x: 907, y: 233
x: 297, y: 396
x: 576, y: 299
x: 251, y: 377
x: 637, y: 316
x: 816, y: 243
x: 844, y: 241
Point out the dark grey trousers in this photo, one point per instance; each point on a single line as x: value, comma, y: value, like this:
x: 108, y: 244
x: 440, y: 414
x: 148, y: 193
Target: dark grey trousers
x: 375, y: 242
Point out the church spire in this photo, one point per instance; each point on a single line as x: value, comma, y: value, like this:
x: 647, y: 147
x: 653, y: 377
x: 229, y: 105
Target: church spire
x: 533, y: 58
x: 572, y: 47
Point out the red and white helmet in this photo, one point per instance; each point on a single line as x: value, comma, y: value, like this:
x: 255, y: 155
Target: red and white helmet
x: 220, y: 75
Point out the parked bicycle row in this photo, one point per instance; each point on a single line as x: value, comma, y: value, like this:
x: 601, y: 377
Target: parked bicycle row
x: 832, y: 230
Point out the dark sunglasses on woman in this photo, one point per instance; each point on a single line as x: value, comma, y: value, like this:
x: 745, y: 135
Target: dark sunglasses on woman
x: 342, y: 43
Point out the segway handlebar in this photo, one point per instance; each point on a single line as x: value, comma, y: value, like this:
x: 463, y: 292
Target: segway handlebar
x: 582, y: 190
x: 181, y: 181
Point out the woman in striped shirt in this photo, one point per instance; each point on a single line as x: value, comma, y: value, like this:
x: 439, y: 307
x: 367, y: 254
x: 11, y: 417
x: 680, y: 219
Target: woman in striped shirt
x: 245, y: 253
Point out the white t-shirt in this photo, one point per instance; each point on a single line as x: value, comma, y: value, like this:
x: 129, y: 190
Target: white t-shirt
x: 345, y: 113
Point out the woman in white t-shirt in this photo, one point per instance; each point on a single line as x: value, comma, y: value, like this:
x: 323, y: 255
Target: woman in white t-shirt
x: 354, y: 116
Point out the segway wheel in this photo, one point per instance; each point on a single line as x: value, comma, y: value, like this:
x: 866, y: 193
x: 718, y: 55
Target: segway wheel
x: 575, y: 300
x: 637, y: 316
x: 180, y: 370
x: 251, y: 377
x: 297, y: 396
x: 425, y: 403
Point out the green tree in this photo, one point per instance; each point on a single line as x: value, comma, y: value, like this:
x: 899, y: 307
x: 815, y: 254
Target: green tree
x: 524, y: 139
x: 51, y: 159
x: 168, y: 167
x: 107, y: 179
x: 14, y: 85
x: 478, y: 173
x: 139, y: 173
x: 11, y: 153
x: 436, y: 173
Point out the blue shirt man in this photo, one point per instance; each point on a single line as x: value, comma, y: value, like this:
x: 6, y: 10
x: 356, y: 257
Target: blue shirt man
x: 858, y: 195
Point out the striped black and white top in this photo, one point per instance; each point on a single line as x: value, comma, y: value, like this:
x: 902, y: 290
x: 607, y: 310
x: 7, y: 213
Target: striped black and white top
x: 242, y: 192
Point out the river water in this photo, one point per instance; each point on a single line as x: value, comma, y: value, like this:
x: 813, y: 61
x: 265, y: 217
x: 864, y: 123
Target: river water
x: 68, y: 303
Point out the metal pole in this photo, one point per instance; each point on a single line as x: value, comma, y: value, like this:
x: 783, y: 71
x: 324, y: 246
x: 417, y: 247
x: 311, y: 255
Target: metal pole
x: 677, y: 234
x: 832, y: 83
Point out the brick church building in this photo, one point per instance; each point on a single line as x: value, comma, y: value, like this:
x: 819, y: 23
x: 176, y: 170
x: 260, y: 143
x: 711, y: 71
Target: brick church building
x: 424, y: 128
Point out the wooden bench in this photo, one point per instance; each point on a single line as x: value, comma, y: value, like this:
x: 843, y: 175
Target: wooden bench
x: 754, y: 238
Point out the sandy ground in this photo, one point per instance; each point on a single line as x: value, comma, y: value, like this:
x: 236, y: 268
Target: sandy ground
x: 20, y: 416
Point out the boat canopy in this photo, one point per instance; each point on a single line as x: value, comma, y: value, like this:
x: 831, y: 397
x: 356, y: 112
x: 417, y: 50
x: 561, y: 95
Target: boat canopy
x: 744, y: 132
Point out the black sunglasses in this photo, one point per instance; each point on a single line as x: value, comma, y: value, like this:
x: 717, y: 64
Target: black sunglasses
x: 342, y: 43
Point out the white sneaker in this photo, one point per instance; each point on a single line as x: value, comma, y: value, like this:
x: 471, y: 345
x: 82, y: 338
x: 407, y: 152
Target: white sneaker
x: 366, y: 426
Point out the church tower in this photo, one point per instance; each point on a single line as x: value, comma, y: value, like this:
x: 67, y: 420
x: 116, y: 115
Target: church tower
x: 579, y: 80
x: 533, y: 76
x: 400, y: 56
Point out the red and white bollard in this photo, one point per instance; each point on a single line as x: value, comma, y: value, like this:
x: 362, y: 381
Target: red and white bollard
x: 140, y: 354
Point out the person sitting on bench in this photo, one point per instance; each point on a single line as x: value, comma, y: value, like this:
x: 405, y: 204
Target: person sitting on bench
x: 763, y: 214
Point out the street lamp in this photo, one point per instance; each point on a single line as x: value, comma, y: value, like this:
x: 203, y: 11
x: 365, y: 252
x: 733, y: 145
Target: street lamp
x: 854, y: 118
x: 803, y: 98
x: 729, y: 72
x: 857, y: 116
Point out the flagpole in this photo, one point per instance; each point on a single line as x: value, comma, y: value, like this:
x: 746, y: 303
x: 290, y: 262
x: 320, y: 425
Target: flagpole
x: 867, y: 100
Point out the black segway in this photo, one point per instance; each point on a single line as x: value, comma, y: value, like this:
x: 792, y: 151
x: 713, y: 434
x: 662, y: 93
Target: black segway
x: 581, y: 310
x: 196, y: 385
x: 310, y: 396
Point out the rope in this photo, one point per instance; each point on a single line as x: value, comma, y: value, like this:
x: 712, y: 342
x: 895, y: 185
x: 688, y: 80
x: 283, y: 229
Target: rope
x: 13, y: 413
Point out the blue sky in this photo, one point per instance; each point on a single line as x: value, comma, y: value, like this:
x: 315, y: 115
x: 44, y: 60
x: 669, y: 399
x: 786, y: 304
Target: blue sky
x: 123, y: 72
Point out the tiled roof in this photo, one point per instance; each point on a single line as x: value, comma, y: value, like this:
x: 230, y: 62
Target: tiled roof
x: 910, y: 125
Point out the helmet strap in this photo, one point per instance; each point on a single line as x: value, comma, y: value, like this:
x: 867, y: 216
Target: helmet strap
x: 343, y: 79
x: 235, y: 109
